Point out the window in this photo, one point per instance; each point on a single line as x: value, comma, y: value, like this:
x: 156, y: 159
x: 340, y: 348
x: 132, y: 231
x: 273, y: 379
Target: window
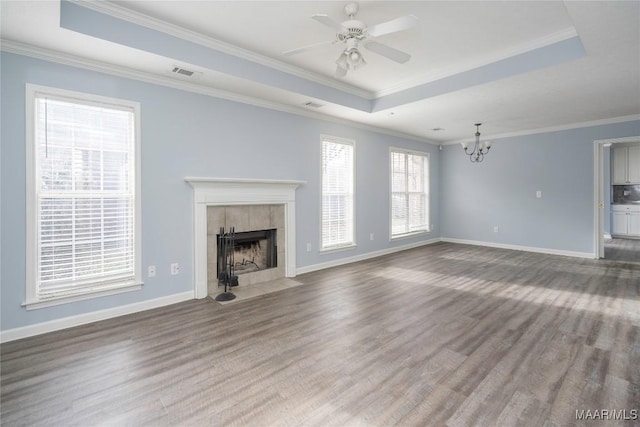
x: 409, y: 192
x: 337, y: 230
x: 83, y: 210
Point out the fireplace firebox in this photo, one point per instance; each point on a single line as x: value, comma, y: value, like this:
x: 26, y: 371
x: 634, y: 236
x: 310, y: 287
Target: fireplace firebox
x: 253, y: 251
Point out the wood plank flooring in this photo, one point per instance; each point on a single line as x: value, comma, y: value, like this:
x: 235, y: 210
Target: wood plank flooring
x: 444, y: 334
x: 622, y: 249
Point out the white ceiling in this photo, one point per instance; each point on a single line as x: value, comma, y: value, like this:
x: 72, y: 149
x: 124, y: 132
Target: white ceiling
x: 452, y: 38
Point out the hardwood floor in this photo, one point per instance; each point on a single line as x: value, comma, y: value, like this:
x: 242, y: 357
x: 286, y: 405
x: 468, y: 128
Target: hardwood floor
x: 439, y: 335
x: 622, y: 250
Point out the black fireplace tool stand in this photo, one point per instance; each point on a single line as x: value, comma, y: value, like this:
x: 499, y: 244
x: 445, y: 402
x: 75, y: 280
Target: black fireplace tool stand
x: 227, y: 274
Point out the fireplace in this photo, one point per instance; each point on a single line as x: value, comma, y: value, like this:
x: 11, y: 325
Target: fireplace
x: 253, y: 251
x: 242, y: 202
x: 259, y: 243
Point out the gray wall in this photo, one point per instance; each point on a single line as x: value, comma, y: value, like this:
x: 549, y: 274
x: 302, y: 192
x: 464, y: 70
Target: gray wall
x: 186, y: 134
x: 501, y: 191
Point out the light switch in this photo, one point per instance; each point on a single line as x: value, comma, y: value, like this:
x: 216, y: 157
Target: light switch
x: 538, y: 194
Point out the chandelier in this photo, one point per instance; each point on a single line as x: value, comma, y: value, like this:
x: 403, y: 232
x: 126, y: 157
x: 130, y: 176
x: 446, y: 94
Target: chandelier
x: 479, y: 150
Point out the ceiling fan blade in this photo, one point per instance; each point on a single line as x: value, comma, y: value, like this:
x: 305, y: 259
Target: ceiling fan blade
x: 329, y: 22
x: 388, y: 52
x: 395, y: 25
x: 308, y: 47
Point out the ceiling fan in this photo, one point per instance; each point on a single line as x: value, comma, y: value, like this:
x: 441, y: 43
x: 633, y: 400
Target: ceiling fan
x: 353, y: 33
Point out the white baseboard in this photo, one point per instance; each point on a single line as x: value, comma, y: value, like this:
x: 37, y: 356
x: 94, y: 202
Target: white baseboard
x: 607, y: 236
x: 362, y: 257
x: 94, y: 316
x: 521, y: 248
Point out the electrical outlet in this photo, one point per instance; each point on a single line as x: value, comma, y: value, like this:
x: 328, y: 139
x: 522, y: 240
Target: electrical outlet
x: 308, y: 247
x: 538, y: 194
x: 371, y: 236
x: 495, y: 229
x: 151, y: 271
x: 175, y: 268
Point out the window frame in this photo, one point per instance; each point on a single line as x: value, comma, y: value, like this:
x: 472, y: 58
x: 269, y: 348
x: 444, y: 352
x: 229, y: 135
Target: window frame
x: 32, y: 300
x: 427, y: 191
x: 352, y: 244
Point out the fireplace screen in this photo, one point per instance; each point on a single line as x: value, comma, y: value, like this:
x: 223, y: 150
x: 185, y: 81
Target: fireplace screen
x: 253, y: 251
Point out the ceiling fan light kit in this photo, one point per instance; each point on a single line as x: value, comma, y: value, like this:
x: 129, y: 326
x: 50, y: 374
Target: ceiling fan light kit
x: 352, y: 32
x: 350, y: 59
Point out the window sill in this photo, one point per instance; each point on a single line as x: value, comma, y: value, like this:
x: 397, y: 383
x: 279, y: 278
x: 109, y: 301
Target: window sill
x: 36, y: 304
x: 412, y: 234
x: 338, y: 248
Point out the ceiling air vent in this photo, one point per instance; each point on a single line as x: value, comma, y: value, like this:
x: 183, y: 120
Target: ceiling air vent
x: 182, y: 71
x: 312, y: 104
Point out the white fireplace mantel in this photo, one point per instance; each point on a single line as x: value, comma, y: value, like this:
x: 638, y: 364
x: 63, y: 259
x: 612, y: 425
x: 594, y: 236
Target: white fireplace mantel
x: 228, y: 192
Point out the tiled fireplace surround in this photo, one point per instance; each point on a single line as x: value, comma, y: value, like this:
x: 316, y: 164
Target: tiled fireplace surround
x: 244, y: 204
x: 244, y: 218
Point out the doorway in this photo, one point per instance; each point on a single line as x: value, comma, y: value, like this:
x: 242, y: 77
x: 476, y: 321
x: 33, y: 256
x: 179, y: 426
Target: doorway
x: 626, y: 250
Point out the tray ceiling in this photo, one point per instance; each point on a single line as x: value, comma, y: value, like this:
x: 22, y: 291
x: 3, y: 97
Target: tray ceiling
x: 517, y: 67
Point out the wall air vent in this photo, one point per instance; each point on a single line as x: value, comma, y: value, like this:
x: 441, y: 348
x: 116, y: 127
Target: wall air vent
x: 182, y: 71
x: 312, y: 104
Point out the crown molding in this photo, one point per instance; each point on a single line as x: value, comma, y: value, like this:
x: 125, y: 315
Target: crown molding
x: 569, y: 126
x: 162, y: 80
x: 106, y: 7
x: 625, y: 140
x: 529, y: 46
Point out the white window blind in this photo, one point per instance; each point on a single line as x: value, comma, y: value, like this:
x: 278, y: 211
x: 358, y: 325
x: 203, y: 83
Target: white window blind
x: 409, y: 193
x: 337, y: 194
x: 85, y: 196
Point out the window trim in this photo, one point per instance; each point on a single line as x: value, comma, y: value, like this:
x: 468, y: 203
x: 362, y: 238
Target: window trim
x: 31, y: 295
x: 405, y: 151
x: 352, y: 244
